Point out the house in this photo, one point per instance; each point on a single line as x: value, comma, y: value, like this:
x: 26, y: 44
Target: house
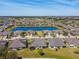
x: 56, y: 43
x: 24, y: 41
x: 17, y: 44
x: 72, y: 42
x: 4, y: 33
x: 1, y: 29
x: 38, y: 43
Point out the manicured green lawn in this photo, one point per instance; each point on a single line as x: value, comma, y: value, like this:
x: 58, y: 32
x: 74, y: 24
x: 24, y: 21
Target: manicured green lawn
x: 65, y: 53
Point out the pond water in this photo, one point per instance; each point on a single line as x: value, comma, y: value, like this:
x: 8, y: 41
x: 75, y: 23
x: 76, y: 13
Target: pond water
x: 33, y: 28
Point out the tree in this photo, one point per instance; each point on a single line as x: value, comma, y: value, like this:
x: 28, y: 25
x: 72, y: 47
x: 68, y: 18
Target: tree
x: 40, y: 51
x: 53, y: 34
x: 47, y: 43
x: 11, y: 34
x: 26, y: 44
x: 56, y: 49
x: 11, y: 55
x: 8, y: 37
x: 6, y: 45
x: 35, y: 33
x: 3, y: 52
x: 65, y: 42
x: 65, y: 33
x: 23, y: 34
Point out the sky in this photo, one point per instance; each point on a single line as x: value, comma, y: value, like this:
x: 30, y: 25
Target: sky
x: 39, y: 7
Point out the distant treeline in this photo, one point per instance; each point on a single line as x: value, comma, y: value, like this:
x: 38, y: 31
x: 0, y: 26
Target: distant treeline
x: 43, y: 17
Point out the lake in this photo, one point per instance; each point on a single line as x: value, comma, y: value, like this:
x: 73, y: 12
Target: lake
x: 33, y: 28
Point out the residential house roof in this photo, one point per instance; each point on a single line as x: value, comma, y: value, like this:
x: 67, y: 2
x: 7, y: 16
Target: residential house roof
x: 2, y: 42
x: 56, y: 42
x: 38, y: 43
x: 17, y: 44
x: 73, y: 41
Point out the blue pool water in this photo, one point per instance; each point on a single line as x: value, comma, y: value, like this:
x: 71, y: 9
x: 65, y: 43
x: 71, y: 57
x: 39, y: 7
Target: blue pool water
x: 33, y: 28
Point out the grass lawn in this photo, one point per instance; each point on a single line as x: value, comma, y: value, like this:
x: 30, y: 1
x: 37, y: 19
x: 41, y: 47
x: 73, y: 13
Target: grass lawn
x: 39, y: 33
x: 65, y: 53
x: 2, y: 58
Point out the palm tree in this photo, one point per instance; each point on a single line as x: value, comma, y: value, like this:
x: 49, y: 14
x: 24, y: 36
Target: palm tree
x: 52, y: 34
x: 47, y: 43
x: 29, y: 41
x: 27, y: 44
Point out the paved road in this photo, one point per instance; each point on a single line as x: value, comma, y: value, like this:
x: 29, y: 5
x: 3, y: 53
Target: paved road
x: 39, y: 58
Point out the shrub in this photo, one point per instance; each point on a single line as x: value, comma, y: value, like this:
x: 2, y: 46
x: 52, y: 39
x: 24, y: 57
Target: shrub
x: 76, y: 52
x: 40, y: 51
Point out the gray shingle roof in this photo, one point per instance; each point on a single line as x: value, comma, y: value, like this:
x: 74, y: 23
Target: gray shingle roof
x: 17, y: 44
x: 55, y: 42
x: 73, y: 41
x: 4, y: 33
x: 38, y: 43
x: 23, y: 41
x: 2, y: 42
